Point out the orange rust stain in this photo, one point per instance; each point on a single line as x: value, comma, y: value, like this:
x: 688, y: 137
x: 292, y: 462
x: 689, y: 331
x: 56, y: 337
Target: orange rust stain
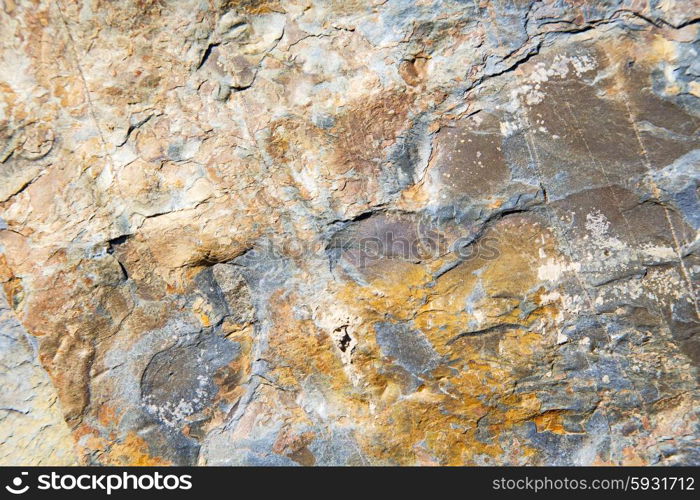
x: 550, y: 421
x: 133, y: 451
x: 107, y: 415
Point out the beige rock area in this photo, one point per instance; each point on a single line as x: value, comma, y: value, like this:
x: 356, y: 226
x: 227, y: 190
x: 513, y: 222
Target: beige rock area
x: 367, y: 232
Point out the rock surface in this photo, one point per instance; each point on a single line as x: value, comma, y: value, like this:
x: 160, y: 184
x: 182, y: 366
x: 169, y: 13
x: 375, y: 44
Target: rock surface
x: 404, y: 232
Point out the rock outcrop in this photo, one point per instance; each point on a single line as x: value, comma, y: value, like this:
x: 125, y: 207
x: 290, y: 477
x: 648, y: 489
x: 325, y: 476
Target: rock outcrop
x: 366, y: 232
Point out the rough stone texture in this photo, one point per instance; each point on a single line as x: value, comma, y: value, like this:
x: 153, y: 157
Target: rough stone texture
x: 32, y: 429
x: 349, y: 232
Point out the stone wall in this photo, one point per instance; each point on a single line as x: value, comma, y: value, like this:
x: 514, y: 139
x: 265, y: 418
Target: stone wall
x: 349, y: 232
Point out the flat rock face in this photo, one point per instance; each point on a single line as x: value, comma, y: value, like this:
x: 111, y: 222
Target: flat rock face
x: 349, y: 233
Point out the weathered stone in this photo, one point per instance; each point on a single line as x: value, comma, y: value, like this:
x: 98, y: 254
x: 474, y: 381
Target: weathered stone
x: 349, y: 233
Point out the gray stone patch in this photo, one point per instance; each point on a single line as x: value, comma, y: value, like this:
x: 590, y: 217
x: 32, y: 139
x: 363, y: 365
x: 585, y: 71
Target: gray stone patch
x: 235, y: 291
x: 227, y: 292
x: 409, y: 348
x: 178, y: 382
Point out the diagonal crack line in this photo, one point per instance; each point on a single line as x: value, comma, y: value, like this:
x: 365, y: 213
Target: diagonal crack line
x: 91, y: 105
x: 536, y: 41
x: 485, y: 331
